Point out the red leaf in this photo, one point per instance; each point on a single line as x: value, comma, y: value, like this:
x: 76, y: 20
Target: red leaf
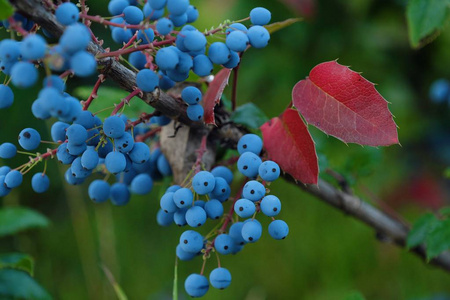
x: 288, y: 143
x: 306, y: 8
x: 214, y: 93
x: 342, y: 103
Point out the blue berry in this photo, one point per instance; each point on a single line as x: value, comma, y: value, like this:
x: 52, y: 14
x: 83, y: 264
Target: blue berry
x: 163, y: 166
x: 192, y: 14
x: 157, y: 4
x: 269, y: 171
x: 183, y: 198
x: 67, y: 13
x: 191, y: 95
x: 89, y: 159
x: 194, y: 40
x: 191, y: 241
x: 133, y: 15
x: 219, y: 53
x: 9, y: 50
x: 185, y: 63
x: 7, y: 150
x: 55, y: 82
x: 195, y: 216
x: 114, y: 127
x: 278, y: 229
x: 76, y: 134
x: 75, y: 149
x: 33, y: 47
x: 234, y: 60
x: 224, y: 172
x: 237, y: 41
x: 177, y: 7
x: 115, y: 162
x: 178, y: 21
x: 166, y: 59
x: 63, y: 155
x: 29, y: 139
x: 6, y: 96
x: 4, y: 170
x: 13, y: 179
x: 440, y: 91
x: 119, y: 194
x: 116, y: 7
x: 147, y: 80
x: 24, y: 74
x: 220, y: 278
x: 124, y: 143
x: 83, y: 64
x: 236, y: 233
x: 260, y: 16
x: 200, y: 203
x: 254, y: 190
x: 165, y: 82
x: 248, y: 164
x: 236, y: 27
x: 76, y: 37
x: 147, y: 36
x: 140, y: 153
x: 173, y: 188
x: 250, y: 143
x: 4, y: 191
x: 142, y: 184
x: 71, y: 179
x: 221, y: 187
x: 251, y: 231
x: 270, y: 205
x: 224, y: 244
x: 244, y: 208
x: 179, y: 217
x: 152, y: 14
x: 58, y: 131
x: 214, y: 209
x: 167, y: 204
x: 183, y: 255
x: 163, y: 218
x: 121, y: 35
x: 40, y: 183
x: 196, y: 285
x: 164, y: 26
x: 203, y: 182
x: 195, y: 112
x: 202, y: 65
x: 86, y: 119
x: 99, y: 191
x: 258, y: 36
x: 77, y: 169
x: 138, y: 60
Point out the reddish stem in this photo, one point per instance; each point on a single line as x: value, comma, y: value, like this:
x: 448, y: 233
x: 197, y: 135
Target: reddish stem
x: 94, y: 93
x: 126, y: 100
x: 147, y: 135
x: 142, y: 119
x: 137, y: 48
x: 17, y: 27
x: 65, y: 74
x: 99, y: 19
x: 231, y: 211
x: 130, y: 42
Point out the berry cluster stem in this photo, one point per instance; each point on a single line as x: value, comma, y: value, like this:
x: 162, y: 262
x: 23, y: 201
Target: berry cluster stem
x: 125, y: 100
x: 120, y: 52
x: 94, y: 93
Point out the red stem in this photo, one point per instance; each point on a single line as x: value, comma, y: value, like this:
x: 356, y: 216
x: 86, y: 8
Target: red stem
x: 65, y: 74
x: 125, y: 100
x: 99, y: 19
x: 137, y: 48
x: 147, y: 135
x: 142, y: 119
x: 17, y: 27
x: 93, y: 95
x: 133, y: 38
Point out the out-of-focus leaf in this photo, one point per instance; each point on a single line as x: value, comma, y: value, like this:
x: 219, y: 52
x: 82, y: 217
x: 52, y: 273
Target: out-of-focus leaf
x: 438, y: 239
x: 249, y: 115
x: 6, y: 10
x: 16, y: 284
x: 342, y: 103
x: 108, y: 96
x: 175, y: 281
x: 117, y: 289
x: 447, y: 173
x: 18, y: 261
x: 420, y: 230
x: 425, y: 19
x: 445, y: 211
x: 15, y: 219
x: 355, y: 295
x: 280, y: 25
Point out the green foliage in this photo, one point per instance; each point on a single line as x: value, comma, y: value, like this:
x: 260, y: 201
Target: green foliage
x: 280, y: 25
x: 19, y: 285
x: 249, y: 115
x: 420, y: 230
x: 425, y: 19
x: 107, y: 97
x: 15, y: 219
x: 19, y: 261
x: 6, y: 10
x: 447, y: 173
x: 355, y: 295
x: 438, y: 240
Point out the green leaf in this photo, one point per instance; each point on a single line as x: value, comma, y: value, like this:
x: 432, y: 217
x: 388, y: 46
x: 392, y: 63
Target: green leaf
x: 280, y: 25
x: 420, y: 230
x: 175, y: 281
x: 6, y: 10
x: 445, y: 211
x: 425, y: 19
x: 355, y: 295
x: 447, y: 173
x: 18, y: 261
x: 438, y: 239
x: 19, y: 285
x: 109, y: 96
x: 117, y: 289
x: 15, y: 219
x: 249, y: 115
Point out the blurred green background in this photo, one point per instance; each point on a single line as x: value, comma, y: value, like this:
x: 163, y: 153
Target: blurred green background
x: 327, y: 254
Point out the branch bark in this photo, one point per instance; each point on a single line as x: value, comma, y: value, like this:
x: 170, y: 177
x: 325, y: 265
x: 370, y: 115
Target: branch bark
x: 388, y: 229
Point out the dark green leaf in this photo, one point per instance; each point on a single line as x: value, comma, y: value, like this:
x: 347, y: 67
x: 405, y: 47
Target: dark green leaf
x: 447, y: 173
x: 249, y: 115
x: 425, y: 19
x: 355, y: 295
x: 6, y: 10
x: 445, y: 211
x: 107, y: 97
x: 15, y: 219
x: 280, y: 25
x: 420, y: 230
x: 18, y: 261
x: 19, y: 285
x: 438, y: 239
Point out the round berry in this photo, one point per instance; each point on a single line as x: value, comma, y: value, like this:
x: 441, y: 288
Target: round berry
x: 250, y: 143
x: 244, y: 208
x: 7, y: 150
x: 278, y: 229
x: 224, y: 244
x: 40, y: 183
x: 114, y: 127
x: 195, y: 112
x: 29, y: 139
x: 6, y: 96
x: 248, y: 164
x: 270, y: 205
x: 191, y: 241
x: 260, y: 16
x: 269, y: 171
x: 251, y: 231
x: 254, y: 190
x: 196, y: 285
x: 203, y: 182
x: 147, y: 80
x: 99, y: 191
x: 183, y: 198
x: 195, y: 216
x: 67, y: 13
x: 220, y: 278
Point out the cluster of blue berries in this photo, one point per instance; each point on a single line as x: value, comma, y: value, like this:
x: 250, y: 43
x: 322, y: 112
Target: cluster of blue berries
x: 182, y: 206
x: 440, y: 91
